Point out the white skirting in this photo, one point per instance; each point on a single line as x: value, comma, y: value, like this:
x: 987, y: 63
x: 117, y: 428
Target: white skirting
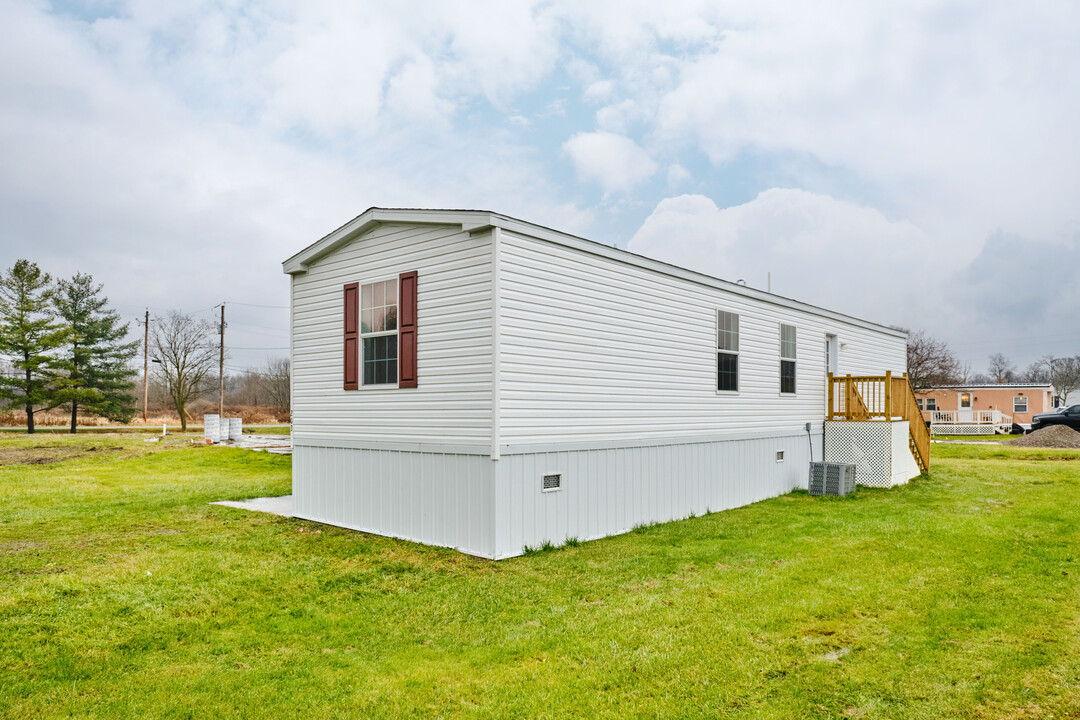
x: 494, y: 509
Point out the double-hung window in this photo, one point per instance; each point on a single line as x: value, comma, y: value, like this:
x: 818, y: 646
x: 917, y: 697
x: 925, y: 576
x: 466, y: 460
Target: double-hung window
x: 379, y: 332
x: 931, y: 404
x: 1020, y: 404
x: 787, y: 359
x: 727, y: 351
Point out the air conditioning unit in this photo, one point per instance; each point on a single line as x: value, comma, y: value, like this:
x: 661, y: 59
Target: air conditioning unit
x: 828, y: 478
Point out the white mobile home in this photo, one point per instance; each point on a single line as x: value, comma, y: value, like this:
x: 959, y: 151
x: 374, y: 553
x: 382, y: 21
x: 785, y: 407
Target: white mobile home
x: 466, y: 379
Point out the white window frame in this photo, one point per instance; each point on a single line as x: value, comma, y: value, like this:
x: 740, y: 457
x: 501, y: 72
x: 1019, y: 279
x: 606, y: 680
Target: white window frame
x: 735, y: 352
x: 1026, y: 405
x: 919, y: 402
x: 362, y: 335
x: 793, y: 360
x: 933, y: 402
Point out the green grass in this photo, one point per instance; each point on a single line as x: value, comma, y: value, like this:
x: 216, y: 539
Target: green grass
x: 124, y: 594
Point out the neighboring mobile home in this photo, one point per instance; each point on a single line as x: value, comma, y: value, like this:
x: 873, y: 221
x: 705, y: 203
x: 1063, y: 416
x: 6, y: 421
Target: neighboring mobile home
x: 465, y: 379
x: 985, y: 408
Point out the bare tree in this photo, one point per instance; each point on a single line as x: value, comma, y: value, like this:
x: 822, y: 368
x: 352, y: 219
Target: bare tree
x: 930, y: 363
x: 1001, y: 369
x: 1033, y: 373
x: 186, y: 356
x: 277, y: 382
x: 963, y: 373
x: 1063, y: 374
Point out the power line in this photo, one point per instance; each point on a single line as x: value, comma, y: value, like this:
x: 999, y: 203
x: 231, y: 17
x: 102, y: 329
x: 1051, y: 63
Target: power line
x: 276, y: 307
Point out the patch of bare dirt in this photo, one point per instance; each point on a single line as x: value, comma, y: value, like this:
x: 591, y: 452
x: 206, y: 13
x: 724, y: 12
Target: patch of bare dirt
x: 48, y: 454
x: 1055, y: 436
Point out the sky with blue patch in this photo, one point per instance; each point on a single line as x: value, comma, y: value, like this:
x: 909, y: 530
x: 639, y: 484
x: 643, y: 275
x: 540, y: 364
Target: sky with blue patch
x: 913, y: 165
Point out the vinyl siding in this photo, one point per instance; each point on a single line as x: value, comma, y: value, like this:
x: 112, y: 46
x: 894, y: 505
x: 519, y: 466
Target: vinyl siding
x: 597, y: 349
x: 453, y: 401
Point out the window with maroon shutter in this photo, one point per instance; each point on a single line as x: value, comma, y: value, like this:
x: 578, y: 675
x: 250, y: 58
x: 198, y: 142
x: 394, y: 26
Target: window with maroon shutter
x: 407, y: 330
x: 352, y: 336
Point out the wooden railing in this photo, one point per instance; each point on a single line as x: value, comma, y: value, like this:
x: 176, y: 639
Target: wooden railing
x: 880, y: 397
x: 976, y: 417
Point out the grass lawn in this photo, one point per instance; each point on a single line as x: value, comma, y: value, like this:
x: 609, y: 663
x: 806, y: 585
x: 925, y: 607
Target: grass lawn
x: 976, y: 438
x: 124, y: 594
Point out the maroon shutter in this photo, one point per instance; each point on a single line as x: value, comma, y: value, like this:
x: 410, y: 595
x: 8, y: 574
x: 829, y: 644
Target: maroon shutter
x: 407, y: 330
x: 352, y: 335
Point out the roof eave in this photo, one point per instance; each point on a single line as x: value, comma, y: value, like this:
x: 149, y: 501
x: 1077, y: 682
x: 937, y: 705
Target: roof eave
x: 469, y: 220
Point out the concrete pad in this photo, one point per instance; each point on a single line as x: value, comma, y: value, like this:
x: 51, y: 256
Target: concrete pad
x: 281, y: 505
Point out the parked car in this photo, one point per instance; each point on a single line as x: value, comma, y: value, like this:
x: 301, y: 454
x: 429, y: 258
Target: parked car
x: 1069, y: 416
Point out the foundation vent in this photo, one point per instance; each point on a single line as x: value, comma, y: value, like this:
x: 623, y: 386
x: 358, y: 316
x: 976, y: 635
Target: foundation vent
x: 551, y: 482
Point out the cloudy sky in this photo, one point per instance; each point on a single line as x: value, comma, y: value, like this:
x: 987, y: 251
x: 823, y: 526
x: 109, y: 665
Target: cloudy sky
x: 911, y: 163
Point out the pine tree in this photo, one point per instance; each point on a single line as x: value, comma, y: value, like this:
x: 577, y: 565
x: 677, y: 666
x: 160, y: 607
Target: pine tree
x: 95, y: 356
x: 29, y: 337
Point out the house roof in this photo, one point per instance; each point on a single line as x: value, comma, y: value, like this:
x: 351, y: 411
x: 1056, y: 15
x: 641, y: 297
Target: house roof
x: 981, y: 386
x: 476, y: 220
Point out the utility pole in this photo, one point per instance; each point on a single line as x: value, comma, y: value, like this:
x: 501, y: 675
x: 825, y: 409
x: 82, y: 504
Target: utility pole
x: 221, y: 367
x: 146, y: 364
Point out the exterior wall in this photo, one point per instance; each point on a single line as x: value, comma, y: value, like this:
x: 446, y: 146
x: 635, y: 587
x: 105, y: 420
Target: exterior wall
x: 879, y: 450
x: 426, y: 496
x: 453, y: 401
x: 601, y: 350
x: 1040, y: 400
x: 608, y: 490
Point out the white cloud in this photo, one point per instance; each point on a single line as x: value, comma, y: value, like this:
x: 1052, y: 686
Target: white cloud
x: 615, y: 162
x: 206, y: 124
x: 819, y: 249
x: 677, y: 175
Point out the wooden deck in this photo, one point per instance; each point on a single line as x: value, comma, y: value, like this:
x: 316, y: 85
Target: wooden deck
x: 880, y: 397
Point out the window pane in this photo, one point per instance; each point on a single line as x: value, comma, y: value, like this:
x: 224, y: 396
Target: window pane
x: 380, y: 360
x: 365, y: 320
x: 787, y: 341
x: 379, y: 295
x: 391, y: 292
x: 391, y: 318
x: 727, y: 331
x: 787, y: 376
x: 366, y: 295
x: 727, y: 375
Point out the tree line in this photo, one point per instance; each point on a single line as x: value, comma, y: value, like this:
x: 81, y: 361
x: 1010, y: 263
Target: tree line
x: 932, y: 364
x: 65, y: 347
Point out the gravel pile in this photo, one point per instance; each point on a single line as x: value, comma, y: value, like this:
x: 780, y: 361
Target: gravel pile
x: 1055, y: 436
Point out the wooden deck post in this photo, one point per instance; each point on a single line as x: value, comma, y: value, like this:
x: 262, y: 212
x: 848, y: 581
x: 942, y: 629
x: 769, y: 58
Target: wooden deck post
x: 847, y: 397
x: 888, y: 395
x: 829, y: 415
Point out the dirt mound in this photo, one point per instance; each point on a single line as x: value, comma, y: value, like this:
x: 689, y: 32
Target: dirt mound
x: 1055, y: 436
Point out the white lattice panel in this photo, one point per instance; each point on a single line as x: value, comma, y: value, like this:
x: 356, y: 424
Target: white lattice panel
x: 877, y: 449
x: 962, y: 429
